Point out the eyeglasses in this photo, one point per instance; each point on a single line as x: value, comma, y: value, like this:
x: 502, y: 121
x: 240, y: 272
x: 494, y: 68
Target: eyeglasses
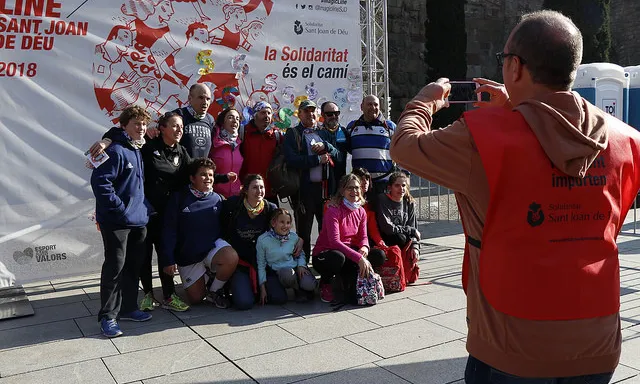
x: 332, y: 113
x: 500, y: 56
x: 352, y: 188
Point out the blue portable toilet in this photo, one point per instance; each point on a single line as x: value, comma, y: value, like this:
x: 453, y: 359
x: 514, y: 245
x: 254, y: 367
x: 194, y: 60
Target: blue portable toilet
x: 634, y: 96
x: 606, y: 86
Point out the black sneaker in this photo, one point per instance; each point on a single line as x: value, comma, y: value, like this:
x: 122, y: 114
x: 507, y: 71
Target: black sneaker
x: 220, y: 299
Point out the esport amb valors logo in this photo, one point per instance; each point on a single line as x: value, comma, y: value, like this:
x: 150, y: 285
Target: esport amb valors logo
x: 41, y: 254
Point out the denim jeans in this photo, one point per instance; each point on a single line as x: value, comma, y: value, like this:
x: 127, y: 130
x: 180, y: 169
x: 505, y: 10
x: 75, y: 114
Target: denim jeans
x: 242, y: 292
x: 478, y: 372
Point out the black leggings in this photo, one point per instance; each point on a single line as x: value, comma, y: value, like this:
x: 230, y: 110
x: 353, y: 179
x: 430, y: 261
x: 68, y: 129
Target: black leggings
x: 335, y: 263
x: 154, y: 230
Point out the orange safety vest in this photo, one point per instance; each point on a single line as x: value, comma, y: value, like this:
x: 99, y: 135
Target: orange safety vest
x: 548, y: 248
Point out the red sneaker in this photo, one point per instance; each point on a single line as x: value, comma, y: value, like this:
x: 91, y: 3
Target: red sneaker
x: 326, y: 292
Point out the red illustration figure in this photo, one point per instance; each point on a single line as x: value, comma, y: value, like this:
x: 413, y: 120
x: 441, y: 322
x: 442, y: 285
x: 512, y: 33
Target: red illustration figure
x: 230, y: 34
x: 153, y: 36
x: 251, y: 33
x: 109, y: 68
x: 144, y: 92
x: 197, y: 7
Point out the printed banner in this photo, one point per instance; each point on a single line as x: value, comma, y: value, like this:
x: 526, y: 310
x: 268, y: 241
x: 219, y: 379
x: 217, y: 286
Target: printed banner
x: 69, y: 67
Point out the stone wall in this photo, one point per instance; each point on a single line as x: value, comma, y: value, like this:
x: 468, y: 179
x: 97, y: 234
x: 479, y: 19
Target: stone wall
x: 488, y: 24
x: 625, y: 32
x: 407, y: 65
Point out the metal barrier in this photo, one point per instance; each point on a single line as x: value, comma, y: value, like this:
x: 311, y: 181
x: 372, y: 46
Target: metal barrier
x: 433, y: 202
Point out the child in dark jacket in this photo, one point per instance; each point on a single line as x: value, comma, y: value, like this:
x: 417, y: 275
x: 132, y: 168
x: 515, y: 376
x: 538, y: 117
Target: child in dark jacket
x: 118, y: 185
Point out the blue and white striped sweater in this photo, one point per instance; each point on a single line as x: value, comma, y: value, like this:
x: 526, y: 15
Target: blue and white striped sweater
x: 370, y: 146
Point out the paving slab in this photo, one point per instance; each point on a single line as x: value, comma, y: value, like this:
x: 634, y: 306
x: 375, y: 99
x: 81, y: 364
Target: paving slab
x: 154, y: 335
x: 446, y: 300
x: 410, y: 291
x: 226, y: 373
x: 327, y: 327
x: 311, y: 308
x: 221, y: 322
x: 441, y: 364
x: 92, y: 371
x: 41, y: 356
x: 395, y: 312
x: 89, y: 324
x: 49, y: 299
x: 630, y: 348
x: 162, y: 361
x: 38, y: 334
x: 304, y: 362
x: 47, y: 315
x: 455, y: 320
x: 254, y: 342
x: 622, y: 373
x: 404, y: 338
x: 364, y: 374
x: 93, y: 306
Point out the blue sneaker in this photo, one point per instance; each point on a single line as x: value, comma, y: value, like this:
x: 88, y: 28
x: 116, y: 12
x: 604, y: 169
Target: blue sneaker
x: 136, y: 315
x: 110, y: 328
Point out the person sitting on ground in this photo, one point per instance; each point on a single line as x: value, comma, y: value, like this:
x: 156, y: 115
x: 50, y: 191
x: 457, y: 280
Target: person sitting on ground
x: 191, y: 238
x: 395, y: 214
x: 244, y: 218
x: 342, y: 246
x: 275, y: 256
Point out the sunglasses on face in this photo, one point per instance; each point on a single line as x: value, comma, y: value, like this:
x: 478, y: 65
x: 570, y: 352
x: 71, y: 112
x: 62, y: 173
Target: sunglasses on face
x: 332, y: 114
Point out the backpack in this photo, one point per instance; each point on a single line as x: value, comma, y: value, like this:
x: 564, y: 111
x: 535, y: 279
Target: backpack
x: 369, y: 289
x: 284, y: 180
x: 392, y: 272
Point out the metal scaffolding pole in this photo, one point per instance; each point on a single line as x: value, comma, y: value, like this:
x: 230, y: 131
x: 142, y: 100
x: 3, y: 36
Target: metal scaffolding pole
x: 375, y: 58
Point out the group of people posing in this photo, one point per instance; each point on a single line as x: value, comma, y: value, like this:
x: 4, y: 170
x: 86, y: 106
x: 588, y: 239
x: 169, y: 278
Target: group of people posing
x: 197, y: 190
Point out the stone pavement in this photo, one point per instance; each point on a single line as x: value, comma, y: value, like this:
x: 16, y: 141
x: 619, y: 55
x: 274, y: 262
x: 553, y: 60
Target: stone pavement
x: 416, y: 336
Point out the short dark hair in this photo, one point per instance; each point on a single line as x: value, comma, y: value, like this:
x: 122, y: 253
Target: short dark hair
x: 362, y: 173
x: 223, y: 115
x: 134, y: 112
x: 551, y: 45
x: 201, y: 162
x: 327, y: 103
x: 250, y: 178
x: 164, y: 119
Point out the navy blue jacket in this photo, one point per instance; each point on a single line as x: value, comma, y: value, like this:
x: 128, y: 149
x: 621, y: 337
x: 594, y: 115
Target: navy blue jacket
x: 191, y: 228
x: 304, y: 160
x: 118, y: 185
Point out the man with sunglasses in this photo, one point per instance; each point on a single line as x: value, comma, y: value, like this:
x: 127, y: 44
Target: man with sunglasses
x: 331, y: 123
x: 544, y: 181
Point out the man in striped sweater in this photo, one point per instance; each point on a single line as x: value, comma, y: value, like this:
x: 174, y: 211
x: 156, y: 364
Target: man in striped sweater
x: 368, y: 141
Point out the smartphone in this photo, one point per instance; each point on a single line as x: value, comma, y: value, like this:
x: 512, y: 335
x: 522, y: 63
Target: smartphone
x: 463, y: 92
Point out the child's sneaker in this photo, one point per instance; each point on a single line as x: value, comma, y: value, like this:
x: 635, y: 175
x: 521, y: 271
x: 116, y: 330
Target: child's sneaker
x: 147, y: 302
x: 220, y: 299
x: 110, y: 328
x: 326, y: 292
x: 175, y: 303
x: 136, y: 315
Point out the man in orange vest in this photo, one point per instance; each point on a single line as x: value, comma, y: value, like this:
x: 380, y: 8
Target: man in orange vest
x: 543, y: 180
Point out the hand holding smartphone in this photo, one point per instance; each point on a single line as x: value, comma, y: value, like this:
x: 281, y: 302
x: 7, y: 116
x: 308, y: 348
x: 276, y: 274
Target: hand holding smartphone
x: 463, y: 92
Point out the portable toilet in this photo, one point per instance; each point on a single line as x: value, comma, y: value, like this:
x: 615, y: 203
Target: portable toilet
x: 634, y: 96
x: 606, y: 86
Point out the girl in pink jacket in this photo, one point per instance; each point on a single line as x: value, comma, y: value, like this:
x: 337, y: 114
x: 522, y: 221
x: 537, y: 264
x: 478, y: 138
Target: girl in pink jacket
x: 225, y: 151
